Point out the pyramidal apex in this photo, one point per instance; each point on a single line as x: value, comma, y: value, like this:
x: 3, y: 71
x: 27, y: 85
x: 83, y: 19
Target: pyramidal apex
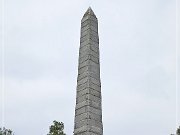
x: 89, y: 12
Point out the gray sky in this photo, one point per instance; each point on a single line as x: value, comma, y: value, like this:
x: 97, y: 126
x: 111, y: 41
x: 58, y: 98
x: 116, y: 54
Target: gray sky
x: 138, y: 64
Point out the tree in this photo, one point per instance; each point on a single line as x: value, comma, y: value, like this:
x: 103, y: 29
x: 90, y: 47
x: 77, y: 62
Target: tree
x: 4, y: 131
x: 178, y: 131
x: 57, y: 128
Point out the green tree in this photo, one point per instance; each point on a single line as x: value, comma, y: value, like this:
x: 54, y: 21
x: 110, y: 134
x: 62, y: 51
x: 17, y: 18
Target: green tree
x: 178, y: 131
x: 57, y: 128
x: 4, y: 131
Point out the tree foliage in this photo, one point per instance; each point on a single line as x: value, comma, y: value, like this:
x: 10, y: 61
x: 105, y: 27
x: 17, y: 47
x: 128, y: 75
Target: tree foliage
x: 57, y: 128
x: 178, y: 131
x: 4, y: 131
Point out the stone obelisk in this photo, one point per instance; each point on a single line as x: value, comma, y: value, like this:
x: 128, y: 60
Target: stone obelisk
x: 88, y: 111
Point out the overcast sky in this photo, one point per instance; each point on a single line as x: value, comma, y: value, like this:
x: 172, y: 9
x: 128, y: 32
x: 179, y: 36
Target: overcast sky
x: 137, y: 55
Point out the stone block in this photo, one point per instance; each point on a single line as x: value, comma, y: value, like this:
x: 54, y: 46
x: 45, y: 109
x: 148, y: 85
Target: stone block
x: 94, y: 86
x: 83, y: 69
x: 82, y: 86
x: 87, y: 97
x: 89, y: 31
x: 94, y: 38
x: 84, y: 38
x: 87, y: 128
x: 88, y: 90
x: 95, y: 81
x: 88, y: 74
x: 88, y: 63
x: 94, y: 69
x: 89, y: 122
x: 88, y: 52
x: 86, y: 42
x: 85, y: 18
x: 89, y: 47
x: 94, y: 28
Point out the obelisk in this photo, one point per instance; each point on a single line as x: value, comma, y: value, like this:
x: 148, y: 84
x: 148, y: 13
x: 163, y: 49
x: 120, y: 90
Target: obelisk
x: 88, y: 111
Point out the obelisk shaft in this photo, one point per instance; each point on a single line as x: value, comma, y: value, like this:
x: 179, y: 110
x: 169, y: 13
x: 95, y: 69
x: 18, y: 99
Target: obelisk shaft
x: 88, y: 111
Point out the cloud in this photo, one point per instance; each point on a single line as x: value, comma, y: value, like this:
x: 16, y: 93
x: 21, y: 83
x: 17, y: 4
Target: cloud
x: 137, y: 49
x: 37, y: 103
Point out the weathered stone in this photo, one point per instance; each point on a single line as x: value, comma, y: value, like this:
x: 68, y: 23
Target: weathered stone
x: 89, y: 31
x: 88, y: 51
x: 89, y: 91
x: 88, y: 85
x: 92, y: 130
x: 91, y: 27
x: 88, y: 111
x: 88, y: 63
x: 89, y: 122
x: 91, y: 103
x: 88, y: 96
x: 88, y: 74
